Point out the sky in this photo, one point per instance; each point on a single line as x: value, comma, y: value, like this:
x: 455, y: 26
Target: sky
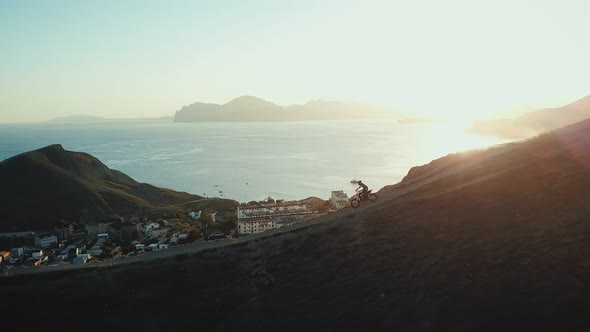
x: 448, y: 59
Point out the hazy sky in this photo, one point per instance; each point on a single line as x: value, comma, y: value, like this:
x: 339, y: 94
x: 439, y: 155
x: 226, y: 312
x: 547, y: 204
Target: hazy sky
x: 148, y: 58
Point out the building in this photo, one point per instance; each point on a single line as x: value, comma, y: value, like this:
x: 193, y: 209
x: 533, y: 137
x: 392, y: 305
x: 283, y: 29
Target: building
x: 195, y: 215
x: 255, y: 226
x: 4, y: 255
x: 87, y: 256
x: 96, y: 250
x: 123, y: 231
x: 339, y: 199
x: 61, y: 258
x: 45, y: 240
x: 16, y: 234
x: 78, y: 235
x: 17, y: 252
x: 158, y: 232
x: 70, y: 250
x: 63, y: 230
x: 148, y: 227
x: 94, y: 230
x: 115, y: 232
x: 80, y: 260
x: 37, y: 253
x: 177, y: 237
x: 259, y: 218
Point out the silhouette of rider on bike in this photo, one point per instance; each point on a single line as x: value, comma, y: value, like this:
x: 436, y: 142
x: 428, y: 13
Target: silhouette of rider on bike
x: 364, y: 188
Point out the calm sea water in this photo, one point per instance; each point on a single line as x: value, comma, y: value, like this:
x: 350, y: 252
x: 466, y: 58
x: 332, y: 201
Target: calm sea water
x: 246, y: 161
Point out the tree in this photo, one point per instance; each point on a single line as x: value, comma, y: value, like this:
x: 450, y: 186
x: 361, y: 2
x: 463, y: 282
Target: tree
x: 192, y: 236
x: 322, y: 207
x: 206, y: 222
x: 230, y: 223
x: 126, y: 247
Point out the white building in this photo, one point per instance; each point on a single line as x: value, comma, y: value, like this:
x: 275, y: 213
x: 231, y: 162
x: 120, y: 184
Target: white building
x: 157, y: 232
x: 263, y: 211
x: 45, y: 240
x: 258, y: 219
x: 255, y: 226
x: 178, y: 236
x: 37, y: 253
x: 339, y: 199
x: 87, y: 256
x: 195, y: 215
x: 149, y: 227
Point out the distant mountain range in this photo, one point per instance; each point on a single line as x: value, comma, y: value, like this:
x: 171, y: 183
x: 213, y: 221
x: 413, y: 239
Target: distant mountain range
x: 535, y: 122
x: 91, y: 119
x: 254, y: 109
x: 43, y: 186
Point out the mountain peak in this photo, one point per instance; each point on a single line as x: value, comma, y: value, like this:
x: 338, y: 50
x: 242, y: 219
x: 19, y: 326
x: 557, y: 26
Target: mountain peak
x: 53, y: 147
x: 247, y: 98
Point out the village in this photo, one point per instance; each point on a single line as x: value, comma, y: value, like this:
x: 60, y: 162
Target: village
x: 67, y: 243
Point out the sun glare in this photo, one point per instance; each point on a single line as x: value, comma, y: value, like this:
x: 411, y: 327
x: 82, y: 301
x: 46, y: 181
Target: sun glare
x: 451, y: 138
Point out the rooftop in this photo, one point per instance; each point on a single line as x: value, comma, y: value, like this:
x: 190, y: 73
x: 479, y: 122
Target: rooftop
x: 46, y: 235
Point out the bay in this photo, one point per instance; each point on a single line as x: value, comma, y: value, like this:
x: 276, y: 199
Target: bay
x: 251, y: 161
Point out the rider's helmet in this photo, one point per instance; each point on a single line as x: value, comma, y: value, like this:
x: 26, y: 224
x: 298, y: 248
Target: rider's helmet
x: 359, y: 182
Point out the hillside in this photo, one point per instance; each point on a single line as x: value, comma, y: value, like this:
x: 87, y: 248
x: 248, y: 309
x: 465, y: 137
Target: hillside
x: 253, y: 109
x: 77, y: 119
x: 535, y: 122
x: 489, y: 240
x: 89, y: 119
x: 45, y: 185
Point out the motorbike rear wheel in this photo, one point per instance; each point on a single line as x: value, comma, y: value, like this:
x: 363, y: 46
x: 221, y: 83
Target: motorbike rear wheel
x: 355, y: 202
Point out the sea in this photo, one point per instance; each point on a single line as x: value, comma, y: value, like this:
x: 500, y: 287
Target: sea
x: 252, y: 161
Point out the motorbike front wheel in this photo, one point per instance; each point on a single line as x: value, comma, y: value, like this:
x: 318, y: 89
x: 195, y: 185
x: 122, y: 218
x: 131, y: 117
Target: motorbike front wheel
x: 372, y: 197
x: 355, y: 202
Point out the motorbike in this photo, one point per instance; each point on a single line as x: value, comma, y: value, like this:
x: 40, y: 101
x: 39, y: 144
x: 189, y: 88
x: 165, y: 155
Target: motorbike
x: 355, y: 200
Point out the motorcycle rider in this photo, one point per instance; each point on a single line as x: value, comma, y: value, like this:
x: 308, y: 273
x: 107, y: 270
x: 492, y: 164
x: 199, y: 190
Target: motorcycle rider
x: 364, y: 188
